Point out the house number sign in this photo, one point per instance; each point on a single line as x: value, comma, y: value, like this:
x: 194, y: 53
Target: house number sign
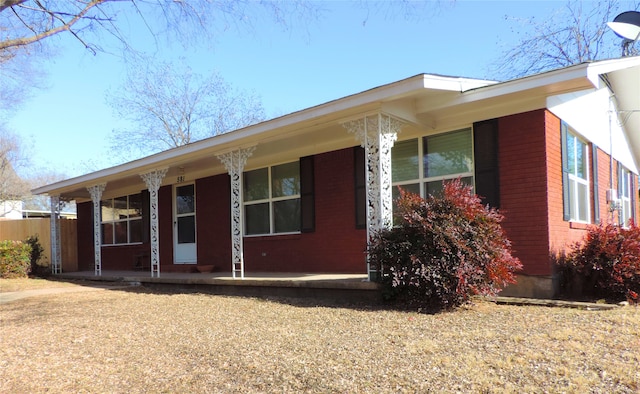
x: 180, y: 179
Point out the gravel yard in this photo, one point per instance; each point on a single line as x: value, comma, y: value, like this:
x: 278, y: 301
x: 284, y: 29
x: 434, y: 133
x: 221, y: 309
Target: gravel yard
x: 139, y: 341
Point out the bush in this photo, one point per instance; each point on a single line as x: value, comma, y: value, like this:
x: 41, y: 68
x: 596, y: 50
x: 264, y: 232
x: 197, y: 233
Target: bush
x: 606, y: 264
x: 15, y: 259
x: 444, y: 250
x: 39, y: 265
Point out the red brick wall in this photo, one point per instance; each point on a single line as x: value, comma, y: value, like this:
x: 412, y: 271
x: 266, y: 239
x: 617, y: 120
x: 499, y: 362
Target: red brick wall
x: 603, y: 184
x: 523, y: 188
x: 213, y: 221
x: 121, y: 257
x: 336, y: 245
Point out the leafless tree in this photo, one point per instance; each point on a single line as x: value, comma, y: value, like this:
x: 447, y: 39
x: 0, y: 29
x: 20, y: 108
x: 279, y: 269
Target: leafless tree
x: 12, y: 187
x: 574, y: 34
x: 170, y: 105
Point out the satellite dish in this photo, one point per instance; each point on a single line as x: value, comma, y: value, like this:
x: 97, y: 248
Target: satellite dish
x: 627, y: 27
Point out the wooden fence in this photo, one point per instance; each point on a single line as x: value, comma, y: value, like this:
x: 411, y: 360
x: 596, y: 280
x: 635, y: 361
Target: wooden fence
x: 19, y: 230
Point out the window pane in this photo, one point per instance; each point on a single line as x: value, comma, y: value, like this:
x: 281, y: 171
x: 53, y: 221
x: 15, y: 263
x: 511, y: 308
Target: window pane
x: 286, y: 216
x: 573, y: 206
x: 257, y: 218
x: 107, y: 233
x: 285, y: 180
x: 185, y: 199
x: 583, y: 201
x: 120, y: 208
x: 256, y: 184
x: 581, y: 159
x: 571, y: 153
x: 186, y: 229
x: 404, y: 161
x: 135, y: 230
x: 106, y: 210
x: 121, y: 232
x: 135, y: 205
x: 448, y: 154
x: 434, y: 188
x: 625, y: 183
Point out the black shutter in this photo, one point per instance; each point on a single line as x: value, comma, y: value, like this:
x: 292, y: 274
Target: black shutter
x: 307, y: 195
x: 360, y: 186
x: 485, y: 151
x: 596, y: 197
x: 566, y: 207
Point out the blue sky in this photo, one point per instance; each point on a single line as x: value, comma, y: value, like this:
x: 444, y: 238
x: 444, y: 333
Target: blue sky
x: 67, y: 124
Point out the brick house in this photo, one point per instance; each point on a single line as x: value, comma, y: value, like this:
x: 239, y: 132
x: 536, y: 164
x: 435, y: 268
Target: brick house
x: 555, y: 152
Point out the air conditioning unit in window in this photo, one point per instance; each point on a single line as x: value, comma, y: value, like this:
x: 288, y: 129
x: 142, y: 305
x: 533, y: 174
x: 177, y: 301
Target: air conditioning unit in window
x: 612, y: 195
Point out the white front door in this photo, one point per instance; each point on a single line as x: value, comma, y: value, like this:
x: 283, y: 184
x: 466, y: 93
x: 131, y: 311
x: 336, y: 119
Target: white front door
x: 184, y: 223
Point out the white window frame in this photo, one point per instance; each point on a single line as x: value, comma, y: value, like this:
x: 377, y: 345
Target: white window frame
x: 114, y: 221
x: 575, y: 181
x: 422, y: 180
x: 270, y: 200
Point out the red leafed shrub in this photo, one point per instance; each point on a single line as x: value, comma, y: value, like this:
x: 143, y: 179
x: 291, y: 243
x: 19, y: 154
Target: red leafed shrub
x: 607, y: 262
x: 444, y: 250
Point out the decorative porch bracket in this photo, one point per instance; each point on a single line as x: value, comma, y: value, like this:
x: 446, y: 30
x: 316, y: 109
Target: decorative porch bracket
x: 234, y: 162
x: 56, y: 259
x: 376, y: 134
x: 153, y: 180
x: 96, y: 194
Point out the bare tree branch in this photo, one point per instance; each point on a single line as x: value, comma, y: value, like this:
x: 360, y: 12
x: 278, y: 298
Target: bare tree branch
x: 171, y: 106
x: 574, y: 34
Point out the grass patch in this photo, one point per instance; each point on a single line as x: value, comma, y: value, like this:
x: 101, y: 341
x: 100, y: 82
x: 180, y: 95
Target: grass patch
x: 136, y: 341
x: 20, y: 284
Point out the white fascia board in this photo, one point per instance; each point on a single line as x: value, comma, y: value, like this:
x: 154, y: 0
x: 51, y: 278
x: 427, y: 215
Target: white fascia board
x: 596, y: 69
x: 552, y: 82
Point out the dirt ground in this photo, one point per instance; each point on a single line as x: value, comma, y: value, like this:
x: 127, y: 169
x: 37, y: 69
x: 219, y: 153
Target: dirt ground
x: 140, y: 341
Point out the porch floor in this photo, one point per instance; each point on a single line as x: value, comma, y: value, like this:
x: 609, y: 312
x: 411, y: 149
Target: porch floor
x: 349, y: 287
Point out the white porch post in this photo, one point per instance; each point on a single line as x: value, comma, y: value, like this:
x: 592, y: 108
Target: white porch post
x: 96, y: 194
x: 56, y: 260
x: 234, y: 162
x: 376, y: 134
x: 153, y: 180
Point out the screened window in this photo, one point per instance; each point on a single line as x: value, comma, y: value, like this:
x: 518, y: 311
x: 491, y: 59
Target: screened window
x: 576, y: 178
x: 624, y: 189
x: 121, y: 220
x: 272, y: 199
x: 422, y: 165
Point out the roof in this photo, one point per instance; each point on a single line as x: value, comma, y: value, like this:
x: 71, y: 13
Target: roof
x: 424, y: 101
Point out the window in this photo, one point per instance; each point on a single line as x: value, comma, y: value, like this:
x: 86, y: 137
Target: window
x: 272, y: 199
x: 421, y: 165
x: 121, y: 220
x: 575, y: 177
x: 624, y: 191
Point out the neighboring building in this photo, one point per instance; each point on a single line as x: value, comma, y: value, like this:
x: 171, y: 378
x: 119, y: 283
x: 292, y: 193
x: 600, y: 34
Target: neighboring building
x: 555, y: 152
